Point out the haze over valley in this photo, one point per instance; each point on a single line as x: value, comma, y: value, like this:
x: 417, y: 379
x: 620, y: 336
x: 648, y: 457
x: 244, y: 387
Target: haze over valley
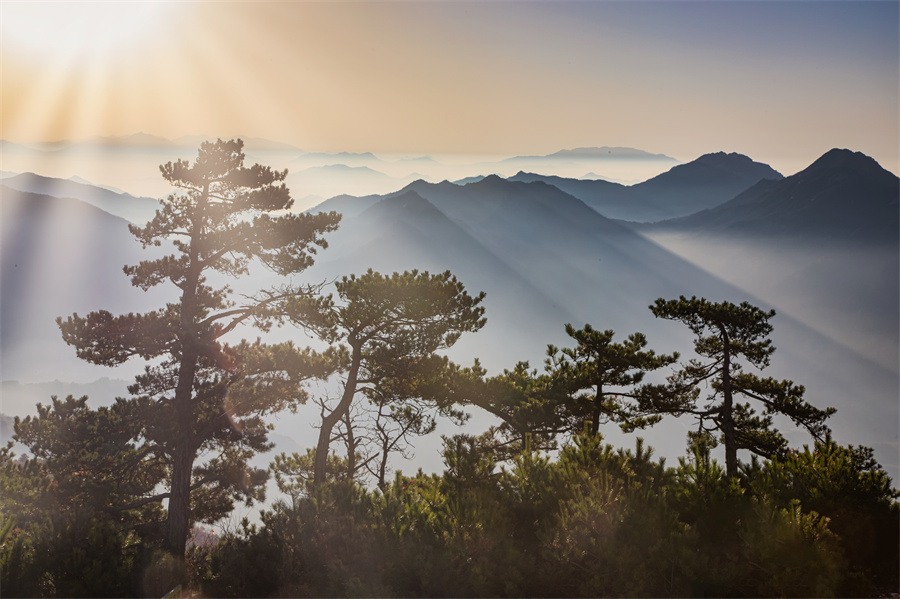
x: 818, y: 246
x: 450, y: 299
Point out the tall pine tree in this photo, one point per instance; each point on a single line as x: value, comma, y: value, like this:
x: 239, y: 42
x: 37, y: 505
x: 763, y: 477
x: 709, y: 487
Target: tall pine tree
x: 393, y: 326
x: 726, y: 334
x: 605, y: 379
x: 200, y: 395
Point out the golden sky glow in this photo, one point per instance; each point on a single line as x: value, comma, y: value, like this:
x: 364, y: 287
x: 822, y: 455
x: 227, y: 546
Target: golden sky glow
x: 782, y: 82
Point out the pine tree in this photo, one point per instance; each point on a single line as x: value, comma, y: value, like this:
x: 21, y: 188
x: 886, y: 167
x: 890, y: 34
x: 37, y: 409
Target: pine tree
x: 725, y: 334
x: 596, y: 382
x: 200, y: 395
x: 605, y: 379
x: 393, y: 326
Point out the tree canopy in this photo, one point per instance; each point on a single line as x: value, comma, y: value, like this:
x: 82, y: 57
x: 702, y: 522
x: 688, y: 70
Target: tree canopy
x: 202, y: 396
x: 596, y: 382
x: 726, y: 334
x: 393, y: 326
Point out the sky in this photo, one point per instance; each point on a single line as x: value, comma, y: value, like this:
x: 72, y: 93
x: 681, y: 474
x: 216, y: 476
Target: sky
x: 782, y: 82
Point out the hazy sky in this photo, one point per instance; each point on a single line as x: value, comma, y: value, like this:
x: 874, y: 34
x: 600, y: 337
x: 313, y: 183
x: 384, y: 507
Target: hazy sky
x: 780, y: 81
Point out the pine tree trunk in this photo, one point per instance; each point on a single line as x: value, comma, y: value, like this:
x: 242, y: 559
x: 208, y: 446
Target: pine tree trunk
x: 351, y: 447
x: 595, y: 414
x: 179, y: 512
x: 320, y: 465
x: 178, y: 522
x: 727, y: 414
x: 382, y: 468
x: 179, y: 517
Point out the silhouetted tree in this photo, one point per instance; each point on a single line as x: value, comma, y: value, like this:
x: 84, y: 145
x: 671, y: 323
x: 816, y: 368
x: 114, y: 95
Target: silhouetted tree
x: 604, y: 379
x: 392, y: 325
x: 76, y: 533
x: 596, y: 382
x: 201, y: 395
x: 727, y: 333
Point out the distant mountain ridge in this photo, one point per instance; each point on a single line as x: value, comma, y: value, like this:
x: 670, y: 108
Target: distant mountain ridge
x: 135, y: 209
x: 128, y: 162
x: 59, y: 256
x: 708, y: 181
x: 843, y: 195
x: 544, y: 257
x: 599, y: 153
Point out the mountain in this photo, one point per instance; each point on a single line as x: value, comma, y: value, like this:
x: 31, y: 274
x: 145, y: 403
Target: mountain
x: 707, y: 181
x: 612, y: 200
x: 135, y: 209
x: 59, y: 256
x: 77, y: 179
x: 346, y: 204
x: 843, y: 196
x: 602, y: 153
x: 822, y: 245
x: 594, y: 176
x: 545, y: 258
x: 327, y: 181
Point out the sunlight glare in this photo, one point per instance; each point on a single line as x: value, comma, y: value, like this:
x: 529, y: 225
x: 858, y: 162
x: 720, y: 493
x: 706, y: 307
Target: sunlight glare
x: 79, y: 28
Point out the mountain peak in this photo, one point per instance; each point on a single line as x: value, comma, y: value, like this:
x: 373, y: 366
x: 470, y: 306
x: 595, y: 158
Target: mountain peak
x: 843, y: 158
x: 737, y: 163
x: 843, y: 196
x: 726, y: 157
x: 607, y: 152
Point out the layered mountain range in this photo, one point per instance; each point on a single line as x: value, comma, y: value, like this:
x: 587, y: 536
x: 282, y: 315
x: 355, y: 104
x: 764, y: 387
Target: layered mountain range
x: 685, y: 189
x: 124, y: 205
x: 547, y: 252
x: 842, y: 196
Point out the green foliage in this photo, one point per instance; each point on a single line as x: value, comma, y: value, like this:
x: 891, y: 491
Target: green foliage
x: 329, y: 545
x: 597, y: 382
x: 91, y: 460
x: 726, y: 334
x: 202, y: 396
x: 593, y: 521
x: 393, y: 326
x: 846, y: 485
x: 72, y: 512
x: 605, y: 378
x: 294, y: 473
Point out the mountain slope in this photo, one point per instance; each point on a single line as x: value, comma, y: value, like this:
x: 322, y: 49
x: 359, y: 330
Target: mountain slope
x: 842, y: 196
x: 707, y: 181
x: 405, y: 231
x: 59, y: 256
x: 560, y: 261
x: 822, y: 245
x: 328, y: 181
x: 567, y: 258
x: 129, y: 207
x: 612, y: 200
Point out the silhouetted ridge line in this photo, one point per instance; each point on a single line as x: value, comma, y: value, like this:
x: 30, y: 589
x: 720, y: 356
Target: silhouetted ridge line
x: 843, y: 196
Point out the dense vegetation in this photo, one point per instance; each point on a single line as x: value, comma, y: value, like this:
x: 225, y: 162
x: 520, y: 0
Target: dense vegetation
x: 537, y: 505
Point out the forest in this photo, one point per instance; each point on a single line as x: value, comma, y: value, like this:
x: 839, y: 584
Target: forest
x: 114, y: 501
